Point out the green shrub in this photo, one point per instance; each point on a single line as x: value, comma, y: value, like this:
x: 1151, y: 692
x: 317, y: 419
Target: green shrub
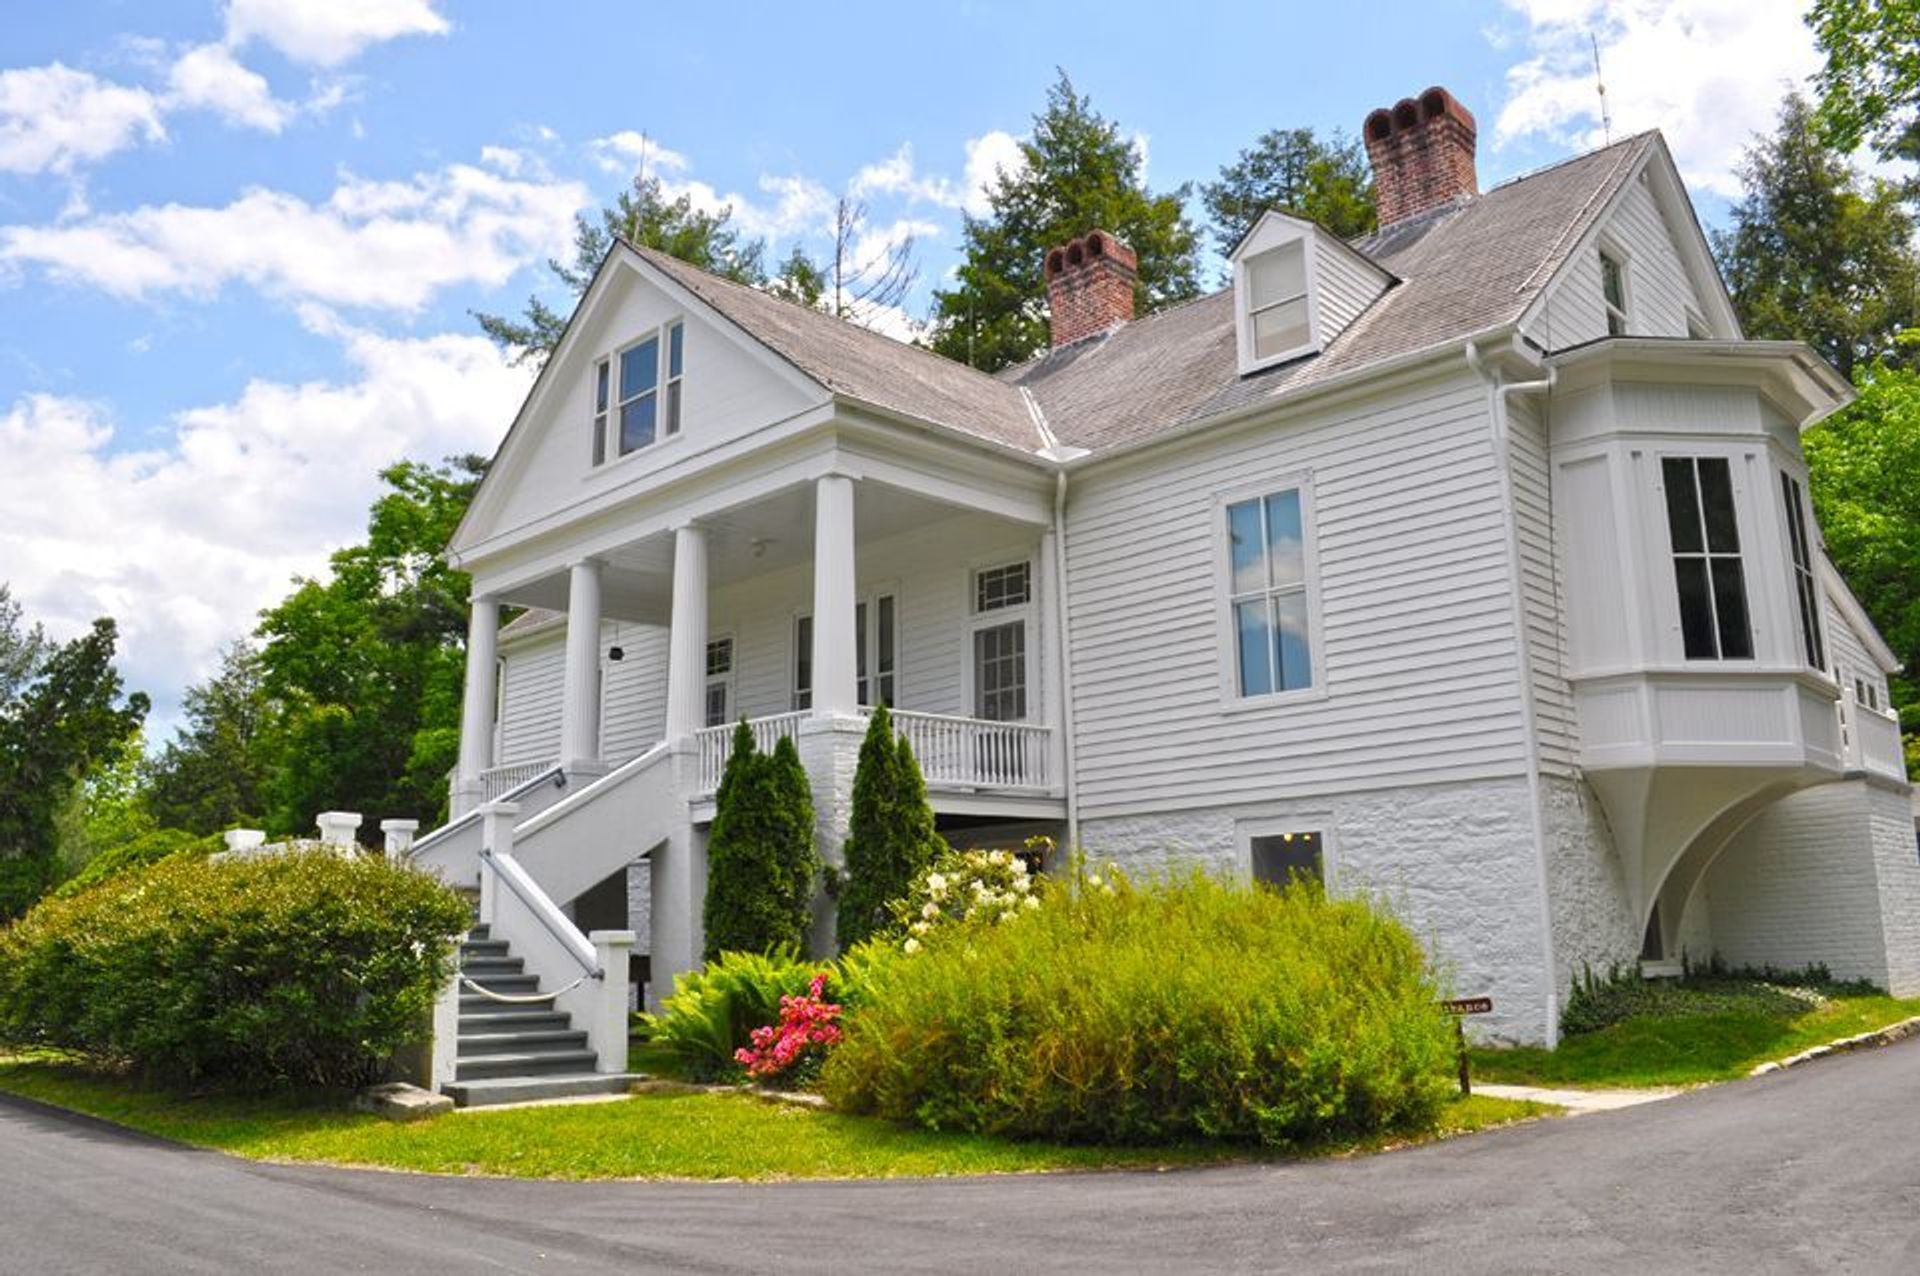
x: 1622, y: 993
x: 285, y: 969
x: 714, y: 1010
x: 961, y: 886
x: 890, y: 832
x: 761, y: 865
x: 143, y: 851
x: 1187, y: 1008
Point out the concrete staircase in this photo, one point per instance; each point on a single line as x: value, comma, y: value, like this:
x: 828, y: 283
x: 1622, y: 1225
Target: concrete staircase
x: 512, y: 1052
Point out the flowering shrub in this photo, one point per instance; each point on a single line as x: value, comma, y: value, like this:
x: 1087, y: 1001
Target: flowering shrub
x: 715, y: 1009
x: 982, y: 886
x: 793, y: 1049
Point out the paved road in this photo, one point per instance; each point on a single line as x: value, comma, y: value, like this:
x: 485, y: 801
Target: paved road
x: 1813, y: 1170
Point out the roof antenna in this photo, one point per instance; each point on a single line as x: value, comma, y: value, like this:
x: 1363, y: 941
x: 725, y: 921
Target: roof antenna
x: 1606, y: 120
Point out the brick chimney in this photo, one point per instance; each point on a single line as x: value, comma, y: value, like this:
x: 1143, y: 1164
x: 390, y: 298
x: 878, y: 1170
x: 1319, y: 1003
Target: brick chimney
x: 1089, y: 286
x: 1422, y: 153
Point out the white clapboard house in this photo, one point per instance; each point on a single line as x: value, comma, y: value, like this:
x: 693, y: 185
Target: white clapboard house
x: 1470, y: 564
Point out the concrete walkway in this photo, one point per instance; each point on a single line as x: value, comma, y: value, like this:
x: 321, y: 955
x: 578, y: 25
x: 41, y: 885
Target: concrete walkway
x: 1577, y: 1102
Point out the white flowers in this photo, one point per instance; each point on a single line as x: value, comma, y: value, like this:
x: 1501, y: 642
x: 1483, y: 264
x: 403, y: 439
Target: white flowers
x: 911, y: 946
x: 930, y: 910
x: 936, y: 885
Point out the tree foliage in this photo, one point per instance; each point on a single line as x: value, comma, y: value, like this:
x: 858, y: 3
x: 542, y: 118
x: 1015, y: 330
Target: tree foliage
x: 1818, y: 254
x: 1292, y: 170
x: 211, y: 776
x: 1081, y: 173
x: 61, y: 715
x: 761, y: 865
x: 365, y: 668
x: 890, y: 832
x: 1865, y: 463
x: 1870, y: 82
x: 643, y: 214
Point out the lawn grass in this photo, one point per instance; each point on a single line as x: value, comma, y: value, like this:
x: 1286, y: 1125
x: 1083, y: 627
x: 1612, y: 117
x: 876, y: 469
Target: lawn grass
x: 1679, y: 1049
x: 648, y: 1136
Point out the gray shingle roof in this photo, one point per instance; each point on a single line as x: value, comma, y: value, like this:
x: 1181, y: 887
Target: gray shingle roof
x: 1468, y: 268
x: 862, y: 364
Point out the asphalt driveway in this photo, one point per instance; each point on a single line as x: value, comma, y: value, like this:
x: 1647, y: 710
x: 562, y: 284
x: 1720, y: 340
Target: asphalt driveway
x: 1812, y: 1170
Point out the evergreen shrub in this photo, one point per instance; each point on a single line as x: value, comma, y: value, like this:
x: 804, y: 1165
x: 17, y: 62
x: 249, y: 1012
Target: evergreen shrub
x: 1186, y: 1008
x: 890, y: 833
x: 761, y: 865
x: 140, y: 852
x: 298, y: 968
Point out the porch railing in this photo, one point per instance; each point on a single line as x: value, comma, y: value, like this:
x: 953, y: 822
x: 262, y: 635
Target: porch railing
x: 497, y: 782
x: 716, y: 743
x: 975, y: 753
x: 1871, y: 739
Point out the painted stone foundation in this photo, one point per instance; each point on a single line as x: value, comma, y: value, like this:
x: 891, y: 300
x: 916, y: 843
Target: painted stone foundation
x: 1593, y: 926
x: 1456, y: 862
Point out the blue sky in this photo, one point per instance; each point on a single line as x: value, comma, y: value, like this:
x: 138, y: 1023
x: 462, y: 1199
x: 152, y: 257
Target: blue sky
x: 239, y: 241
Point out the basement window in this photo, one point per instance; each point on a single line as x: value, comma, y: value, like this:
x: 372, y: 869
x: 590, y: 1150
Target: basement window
x: 1280, y: 859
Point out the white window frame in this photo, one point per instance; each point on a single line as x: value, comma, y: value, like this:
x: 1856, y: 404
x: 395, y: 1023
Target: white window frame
x: 1808, y: 576
x: 729, y: 679
x: 1023, y: 613
x: 1243, y: 304
x: 667, y: 389
x: 1245, y: 830
x: 868, y: 598
x: 1606, y: 251
x: 1756, y: 574
x: 1226, y: 636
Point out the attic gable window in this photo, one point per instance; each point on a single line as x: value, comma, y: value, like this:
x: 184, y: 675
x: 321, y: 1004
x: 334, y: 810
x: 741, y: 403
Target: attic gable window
x: 1278, y: 313
x: 1613, y: 291
x: 643, y: 382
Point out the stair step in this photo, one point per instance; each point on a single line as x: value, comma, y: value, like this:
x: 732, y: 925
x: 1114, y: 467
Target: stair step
x: 523, y: 1064
x: 512, y: 1019
x: 491, y: 1090
x: 475, y: 967
x: 517, y: 984
x: 522, y: 1042
x: 484, y: 948
x: 481, y: 931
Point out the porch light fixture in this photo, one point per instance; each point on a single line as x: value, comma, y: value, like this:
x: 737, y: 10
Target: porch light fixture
x: 616, y: 653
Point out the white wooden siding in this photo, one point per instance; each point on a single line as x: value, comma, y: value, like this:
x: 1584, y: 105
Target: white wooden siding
x: 1555, y: 720
x: 1421, y: 676
x: 1346, y: 286
x: 530, y: 698
x: 1847, y: 654
x: 633, y: 697
x: 1659, y: 294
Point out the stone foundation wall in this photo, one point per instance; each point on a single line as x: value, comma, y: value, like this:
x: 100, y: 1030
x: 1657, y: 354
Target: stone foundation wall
x: 1593, y: 924
x: 1457, y: 863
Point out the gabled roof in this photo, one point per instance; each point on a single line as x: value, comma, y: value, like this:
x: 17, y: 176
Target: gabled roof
x: 861, y: 364
x: 1464, y: 270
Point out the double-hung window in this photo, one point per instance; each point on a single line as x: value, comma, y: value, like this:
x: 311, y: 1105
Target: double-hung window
x: 1277, y: 301
x: 876, y: 652
x: 719, y: 681
x: 1613, y: 292
x: 1267, y: 570
x: 1708, y: 578
x: 1806, y: 591
x: 1001, y: 596
x: 644, y: 402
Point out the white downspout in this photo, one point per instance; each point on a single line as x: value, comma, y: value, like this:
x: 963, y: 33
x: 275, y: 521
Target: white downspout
x: 1497, y: 393
x: 1064, y: 657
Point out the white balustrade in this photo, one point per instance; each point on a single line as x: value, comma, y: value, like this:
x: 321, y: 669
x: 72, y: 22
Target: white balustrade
x: 1871, y: 739
x: 975, y: 753
x: 716, y: 743
x: 497, y: 782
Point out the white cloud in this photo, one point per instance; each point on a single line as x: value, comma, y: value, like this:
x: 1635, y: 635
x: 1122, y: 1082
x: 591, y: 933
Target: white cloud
x: 329, y: 32
x: 895, y: 176
x: 54, y: 117
x: 1708, y: 73
x: 988, y: 156
x: 628, y: 152
x: 182, y: 543
x: 208, y: 77
x: 374, y: 244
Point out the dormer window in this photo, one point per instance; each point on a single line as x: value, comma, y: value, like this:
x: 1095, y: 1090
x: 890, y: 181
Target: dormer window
x: 1277, y: 306
x: 636, y: 394
x: 1613, y: 292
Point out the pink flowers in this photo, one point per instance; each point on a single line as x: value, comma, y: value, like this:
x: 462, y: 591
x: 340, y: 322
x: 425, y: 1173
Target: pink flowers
x: 796, y: 1045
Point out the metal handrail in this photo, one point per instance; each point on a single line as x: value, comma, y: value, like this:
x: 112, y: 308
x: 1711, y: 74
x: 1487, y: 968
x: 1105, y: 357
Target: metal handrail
x: 539, y: 906
x: 556, y: 773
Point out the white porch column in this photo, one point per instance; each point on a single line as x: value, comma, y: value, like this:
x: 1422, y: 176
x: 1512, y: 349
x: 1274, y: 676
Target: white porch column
x: 687, y: 640
x: 835, y: 677
x: 478, y: 709
x: 1053, y: 683
x: 580, y: 699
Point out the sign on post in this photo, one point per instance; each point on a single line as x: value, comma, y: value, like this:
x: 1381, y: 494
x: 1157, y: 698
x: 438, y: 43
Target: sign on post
x: 1460, y: 1008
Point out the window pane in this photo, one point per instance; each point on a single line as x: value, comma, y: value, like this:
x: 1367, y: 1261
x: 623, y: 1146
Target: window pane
x: 885, y: 620
x: 1246, y: 542
x: 719, y: 657
x: 1613, y: 282
x: 1000, y: 672
x: 600, y: 386
x: 803, y: 662
x: 636, y: 423
x: 599, y: 440
x: 860, y: 652
x: 1277, y: 275
x: 996, y: 587
x: 673, y: 408
x: 716, y: 703
x: 1730, y: 605
x: 1279, y: 859
x: 1683, y: 504
x: 1285, y: 558
x: 675, y: 341
x: 1292, y: 655
x: 1716, y: 498
x: 1696, y: 608
x: 640, y: 368
x: 1254, y: 642
x: 1280, y: 329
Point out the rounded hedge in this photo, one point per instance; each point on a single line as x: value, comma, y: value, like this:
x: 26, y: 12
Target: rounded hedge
x: 299, y: 968
x: 1174, y: 1010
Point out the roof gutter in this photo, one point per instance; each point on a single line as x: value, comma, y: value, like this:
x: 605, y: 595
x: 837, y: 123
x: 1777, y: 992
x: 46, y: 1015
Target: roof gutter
x: 1063, y: 660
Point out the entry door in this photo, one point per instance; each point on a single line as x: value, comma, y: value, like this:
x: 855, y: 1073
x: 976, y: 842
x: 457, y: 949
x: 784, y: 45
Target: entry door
x: 1000, y: 695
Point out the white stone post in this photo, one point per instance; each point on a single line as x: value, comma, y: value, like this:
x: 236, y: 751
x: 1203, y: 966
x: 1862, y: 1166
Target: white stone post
x: 580, y: 703
x: 607, y: 1034
x: 687, y: 640
x: 496, y: 835
x: 244, y: 841
x: 399, y: 837
x: 478, y: 708
x: 339, y: 828
x: 835, y: 674
x: 446, y: 1029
